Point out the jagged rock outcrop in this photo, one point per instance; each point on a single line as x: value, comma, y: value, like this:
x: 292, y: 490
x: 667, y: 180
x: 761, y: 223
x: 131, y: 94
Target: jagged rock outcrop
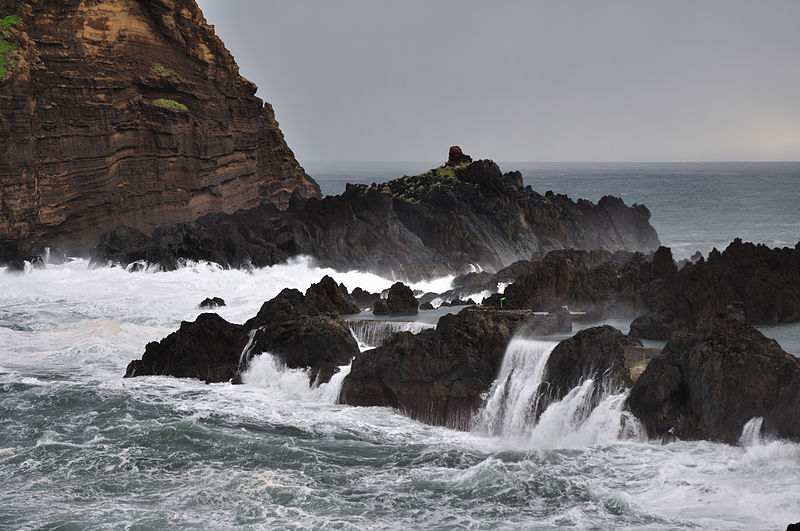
x: 709, y: 384
x: 760, y: 284
x: 456, y: 157
x: 438, y: 376
x: 128, y: 112
x: 400, y: 300
x: 433, y: 224
x: 328, y: 297
x: 599, y: 284
x: 242, y: 240
x: 301, y: 331
x: 208, y: 349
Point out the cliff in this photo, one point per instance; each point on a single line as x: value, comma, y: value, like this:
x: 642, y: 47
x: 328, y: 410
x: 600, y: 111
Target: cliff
x: 127, y: 112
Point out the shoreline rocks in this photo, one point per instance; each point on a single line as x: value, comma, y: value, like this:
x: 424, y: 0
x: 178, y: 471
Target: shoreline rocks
x: 759, y: 284
x: 438, y: 376
x: 301, y: 331
x: 399, y: 301
x: 709, y: 384
x: 601, y: 352
x: 208, y: 349
x: 211, y: 302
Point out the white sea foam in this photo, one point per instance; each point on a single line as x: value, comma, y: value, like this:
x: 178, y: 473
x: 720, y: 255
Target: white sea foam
x: 276, y: 448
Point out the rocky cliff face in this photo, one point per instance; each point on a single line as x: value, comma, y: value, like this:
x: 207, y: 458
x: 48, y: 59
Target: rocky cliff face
x: 128, y: 112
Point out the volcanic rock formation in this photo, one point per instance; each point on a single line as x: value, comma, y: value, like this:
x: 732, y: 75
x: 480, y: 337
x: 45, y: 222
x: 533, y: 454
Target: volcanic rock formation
x: 127, y: 112
x: 760, y: 284
x: 301, y: 331
x: 400, y: 300
x: 438, y: 376
x: 415, y: 227
x: 709, y: 384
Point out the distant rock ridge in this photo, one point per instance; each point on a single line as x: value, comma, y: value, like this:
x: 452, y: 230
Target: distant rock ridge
x: 443, y: 221
x: 127, y: 112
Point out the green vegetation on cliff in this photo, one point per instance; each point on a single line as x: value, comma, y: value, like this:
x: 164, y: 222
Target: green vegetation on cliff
x: 171, y: 105
x: 418, y: 188
x: 7, y: 47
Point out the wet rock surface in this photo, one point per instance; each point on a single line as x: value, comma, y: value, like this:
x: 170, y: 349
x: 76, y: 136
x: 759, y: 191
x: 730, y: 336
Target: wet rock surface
x: 598, y: 284
x: 301, y: 331
x: 212, y: 302
x: 207, y: 349
x: 399, y: 301
x: 436, y: 376
x: 710, y: 383
x: 602, y: 353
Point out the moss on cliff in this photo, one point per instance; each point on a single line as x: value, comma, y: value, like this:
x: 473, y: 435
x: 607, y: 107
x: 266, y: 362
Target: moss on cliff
x: 418, y: 188
x: 7, y: 47
x: 171, y: 105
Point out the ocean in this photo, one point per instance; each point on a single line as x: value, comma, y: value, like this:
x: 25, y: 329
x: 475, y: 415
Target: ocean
x: 83, y: 448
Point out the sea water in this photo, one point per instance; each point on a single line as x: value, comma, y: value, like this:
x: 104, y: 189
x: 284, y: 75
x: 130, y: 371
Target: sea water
x: 81, y: 447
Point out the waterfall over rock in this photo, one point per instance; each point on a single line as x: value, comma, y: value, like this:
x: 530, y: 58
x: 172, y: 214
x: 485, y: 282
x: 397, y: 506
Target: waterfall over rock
x: 751, y: 432
x: 592, y: 412
x: 514, y: 397
x: 371, y: 334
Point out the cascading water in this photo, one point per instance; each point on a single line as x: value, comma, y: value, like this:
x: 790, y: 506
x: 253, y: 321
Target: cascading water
x: 751, y: 432
x: 578, y: 419
x: 513, y: 398
x: 371, y: 334
x: 245, y: 356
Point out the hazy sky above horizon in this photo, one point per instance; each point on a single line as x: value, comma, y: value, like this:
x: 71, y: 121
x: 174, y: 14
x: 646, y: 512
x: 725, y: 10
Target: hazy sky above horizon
x: 613, y: 80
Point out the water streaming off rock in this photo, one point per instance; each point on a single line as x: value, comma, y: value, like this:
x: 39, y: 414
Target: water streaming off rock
x: 372, y: 333
x: 518, y: 405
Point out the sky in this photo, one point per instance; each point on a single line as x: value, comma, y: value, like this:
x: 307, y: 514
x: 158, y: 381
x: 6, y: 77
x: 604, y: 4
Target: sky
x: 561, y: 80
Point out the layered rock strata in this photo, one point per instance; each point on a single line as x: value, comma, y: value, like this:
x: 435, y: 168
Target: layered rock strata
x: 128, y: 112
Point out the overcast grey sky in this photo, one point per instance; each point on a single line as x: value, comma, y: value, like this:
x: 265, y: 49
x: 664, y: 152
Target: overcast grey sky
x: 614, y: 80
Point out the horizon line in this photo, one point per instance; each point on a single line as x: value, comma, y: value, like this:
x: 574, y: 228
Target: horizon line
x: 512, y: 161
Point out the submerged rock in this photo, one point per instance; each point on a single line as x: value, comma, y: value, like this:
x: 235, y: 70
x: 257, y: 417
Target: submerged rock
x: 212, y: 302
x: 709, y: 384
x: 436, y: 376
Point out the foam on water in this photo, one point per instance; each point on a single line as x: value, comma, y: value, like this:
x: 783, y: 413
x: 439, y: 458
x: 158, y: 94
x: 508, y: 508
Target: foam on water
x: 81, y: 447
